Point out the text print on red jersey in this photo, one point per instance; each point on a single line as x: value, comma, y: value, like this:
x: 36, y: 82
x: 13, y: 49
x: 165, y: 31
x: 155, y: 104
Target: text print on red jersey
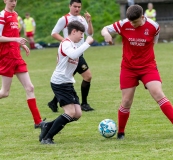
x: 14, y: 25
x: 137, y: 41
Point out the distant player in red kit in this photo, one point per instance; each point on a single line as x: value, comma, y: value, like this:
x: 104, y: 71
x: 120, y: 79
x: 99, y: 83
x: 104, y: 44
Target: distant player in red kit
x: 11, y: 61
x: 139, y: 34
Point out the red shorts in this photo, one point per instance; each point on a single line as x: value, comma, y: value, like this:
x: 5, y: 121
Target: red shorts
x: 9, y: 67
x: 29, y: 34
x: 130, y: 78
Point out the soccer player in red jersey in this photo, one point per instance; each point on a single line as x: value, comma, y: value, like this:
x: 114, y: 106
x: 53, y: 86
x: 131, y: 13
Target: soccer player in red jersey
x: 139, y: 34
x: 11, y: 61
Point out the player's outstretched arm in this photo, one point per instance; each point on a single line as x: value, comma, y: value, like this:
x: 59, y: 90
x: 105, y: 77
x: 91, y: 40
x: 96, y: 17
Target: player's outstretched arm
x: 19, y: 40
x: 75, y: 53
x: 106, y: 35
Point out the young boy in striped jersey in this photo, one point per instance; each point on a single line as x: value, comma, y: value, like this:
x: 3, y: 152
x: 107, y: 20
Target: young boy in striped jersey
x: 62, y: 81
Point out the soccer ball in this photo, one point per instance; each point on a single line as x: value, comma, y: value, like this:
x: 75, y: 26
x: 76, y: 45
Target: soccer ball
x: 107, y: 128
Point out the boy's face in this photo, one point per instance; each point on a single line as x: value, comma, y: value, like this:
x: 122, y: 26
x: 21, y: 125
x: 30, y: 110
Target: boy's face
x: 137, y: 22
x: 77, y: 35
x: 75, y: 8
x: 10, y: 4
x: 27, y: 16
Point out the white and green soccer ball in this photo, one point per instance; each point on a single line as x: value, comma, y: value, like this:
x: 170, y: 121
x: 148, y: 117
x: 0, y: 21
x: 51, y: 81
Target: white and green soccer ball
x: 107, y: 128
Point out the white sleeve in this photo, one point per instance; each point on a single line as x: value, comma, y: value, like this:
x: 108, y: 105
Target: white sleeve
x: 68, y: 49
x: 111, y: 29
x: 1, y: 29
x: 154, y: 14
x: 145, y: 14
x: 33, y: 22
x: 59, y: 25
x: 156, y: 38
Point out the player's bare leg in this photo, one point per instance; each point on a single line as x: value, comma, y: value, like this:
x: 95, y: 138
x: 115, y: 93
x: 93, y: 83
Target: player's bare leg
x: 31, y: 100
x: 5, y: 88
x: 85, y: 87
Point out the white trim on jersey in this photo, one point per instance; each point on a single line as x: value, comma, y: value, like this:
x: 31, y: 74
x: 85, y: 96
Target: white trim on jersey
x: 1, y: 29
x: 155, y: 24
x: 122, y: 22
x: 156, y: 38
x: 111, y: 29
x: 118, y: 28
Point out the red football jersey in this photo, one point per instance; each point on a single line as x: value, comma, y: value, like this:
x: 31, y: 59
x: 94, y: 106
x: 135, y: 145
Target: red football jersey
x: 138, y: 43
x: 10, y: 29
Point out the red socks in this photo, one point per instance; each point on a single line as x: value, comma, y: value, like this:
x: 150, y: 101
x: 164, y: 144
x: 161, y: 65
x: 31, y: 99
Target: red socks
x: 166, y: 108
x: 32, y: 45
x: 34, y: 110
x: 123, y: 115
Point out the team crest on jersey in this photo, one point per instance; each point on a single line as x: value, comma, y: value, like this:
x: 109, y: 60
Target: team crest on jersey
x: 146, y: 32
x: 84, y: 67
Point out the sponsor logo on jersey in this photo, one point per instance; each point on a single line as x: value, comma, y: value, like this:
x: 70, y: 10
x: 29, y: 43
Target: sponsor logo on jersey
x: 9, y: 16
x: 146, y: 32
x: 130, y: 29
x: 84, y: 67
x: 73, y: 61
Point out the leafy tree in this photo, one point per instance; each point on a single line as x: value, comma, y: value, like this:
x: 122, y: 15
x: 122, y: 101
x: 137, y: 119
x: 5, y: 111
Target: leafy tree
x: 46, y: 14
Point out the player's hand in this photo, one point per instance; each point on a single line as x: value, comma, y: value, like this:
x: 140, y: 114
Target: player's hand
x: 87, y: 16
x: 27, y: 50
x: 21, y: 40
x: 89, y: 40
x: 108, y: 38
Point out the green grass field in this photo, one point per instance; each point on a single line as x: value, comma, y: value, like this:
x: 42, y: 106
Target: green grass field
x: 149, y: 135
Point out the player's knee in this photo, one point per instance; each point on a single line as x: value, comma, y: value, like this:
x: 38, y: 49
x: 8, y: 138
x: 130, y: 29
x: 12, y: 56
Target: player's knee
x: 88, y: 77
x: 71, y: 113
x: 78, y: 115
x: 30, y: 88
x: 127, y: 103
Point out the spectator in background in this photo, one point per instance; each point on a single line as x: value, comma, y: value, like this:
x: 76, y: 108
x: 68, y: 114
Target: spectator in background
x: 130, y: 2
x: 20, y: 24
x: 150, y: 12
x: 29, y: 29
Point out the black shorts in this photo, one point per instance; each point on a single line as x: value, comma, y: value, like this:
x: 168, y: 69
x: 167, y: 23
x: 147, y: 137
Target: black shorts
x: 82, y: 66
x: 65, y: 93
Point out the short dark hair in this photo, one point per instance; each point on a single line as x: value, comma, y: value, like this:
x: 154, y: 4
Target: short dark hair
x: 77, y: 1
x: 134, y: 12
x: 75, y: 25
x: 27, y: 14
